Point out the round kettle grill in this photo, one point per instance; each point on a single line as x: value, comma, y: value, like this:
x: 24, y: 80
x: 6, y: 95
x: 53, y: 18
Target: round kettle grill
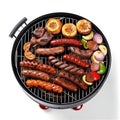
x: 45, y: 99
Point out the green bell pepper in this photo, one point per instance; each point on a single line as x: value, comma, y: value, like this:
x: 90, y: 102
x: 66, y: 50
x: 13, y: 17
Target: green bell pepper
x: 102, y: 69
x: 84, y: 42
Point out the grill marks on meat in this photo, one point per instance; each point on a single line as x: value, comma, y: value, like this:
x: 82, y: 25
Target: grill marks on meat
x: 42, y: 37
x: 76, y: 60
x: 38, y: 32
x: 44, y: 85
x: 81, y: 53
x: 50, y: 51
x: 68, y: 68
x: 37, y: 70
x: 38, y: 66
x: 73, y: 79
x: 36, y: 74
x: 66, y: 84
x: 66, y: 41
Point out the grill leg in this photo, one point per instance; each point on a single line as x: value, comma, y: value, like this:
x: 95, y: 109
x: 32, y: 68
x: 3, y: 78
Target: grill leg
x: 43, y: 107
x: 78, y: 107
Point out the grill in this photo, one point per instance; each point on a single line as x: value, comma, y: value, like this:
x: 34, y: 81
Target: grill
x: 66, y: 99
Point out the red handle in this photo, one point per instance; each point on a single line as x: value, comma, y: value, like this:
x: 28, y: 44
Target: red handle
x: 78, y: 107
x: 43, y: 107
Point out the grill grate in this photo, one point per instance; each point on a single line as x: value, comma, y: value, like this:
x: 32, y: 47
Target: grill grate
x: 67, y: 96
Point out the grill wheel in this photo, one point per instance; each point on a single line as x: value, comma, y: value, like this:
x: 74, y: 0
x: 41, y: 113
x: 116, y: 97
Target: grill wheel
x: 67, y: 99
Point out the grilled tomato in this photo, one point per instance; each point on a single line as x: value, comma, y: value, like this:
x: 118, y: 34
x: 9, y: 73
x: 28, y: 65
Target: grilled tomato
x: 54, y: 25
x: 84, y: 26
x: 69, y: 30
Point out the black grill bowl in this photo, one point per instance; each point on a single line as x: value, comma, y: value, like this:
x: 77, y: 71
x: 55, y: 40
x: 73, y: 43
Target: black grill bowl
x: 67, y: 99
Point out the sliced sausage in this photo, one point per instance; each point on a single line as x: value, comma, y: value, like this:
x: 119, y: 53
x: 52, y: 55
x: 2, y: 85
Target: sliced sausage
x: 64, y: 66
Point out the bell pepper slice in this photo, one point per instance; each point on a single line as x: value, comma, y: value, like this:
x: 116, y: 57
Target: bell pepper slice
x: 102, y: 69
x: 84, y: 42
x: 92, y: 76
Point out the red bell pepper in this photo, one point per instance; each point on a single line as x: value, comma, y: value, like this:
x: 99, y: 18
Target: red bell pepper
x: 96, y: 76
x: 92, y: 76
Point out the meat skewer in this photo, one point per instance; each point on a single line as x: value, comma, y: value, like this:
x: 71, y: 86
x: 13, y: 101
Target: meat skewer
x: 69, y: 68
x: 38, y: 66
x: 44, y: 85
x: 36, y: 74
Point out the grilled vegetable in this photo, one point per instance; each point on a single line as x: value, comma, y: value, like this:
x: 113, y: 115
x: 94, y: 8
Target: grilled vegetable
x: 89, y: 36
x: 99, y: 55
x: 98, y: 38
x: 92, y: 76
x: 103, y: 49
x: 84, y: 80
x: 26, y: 46
x: 95, y: 66
x: 102, y: 69
x: 84, y: 42
x: 93, y: 59
x: 84, y: 26
x: 54, y: 26
x: 69, y: 30
x: 29, y: 55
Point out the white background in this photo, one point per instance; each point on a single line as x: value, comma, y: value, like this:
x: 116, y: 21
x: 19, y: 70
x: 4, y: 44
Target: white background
x: 14, y: 104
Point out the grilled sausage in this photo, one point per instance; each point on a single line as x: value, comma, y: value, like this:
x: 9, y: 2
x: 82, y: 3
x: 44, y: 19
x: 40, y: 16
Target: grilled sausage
x: 42, y: 40
x: 44, y: 85
x: 83, y: 85
x: 38, y: 66
x: 66, y: 84
x: 75, y: 60
x: 69, y: 68
x: 36, y: 74
x: 73, y: 79
x: 81, y: 53
x: 66, y: 41
x: 50, y: 51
